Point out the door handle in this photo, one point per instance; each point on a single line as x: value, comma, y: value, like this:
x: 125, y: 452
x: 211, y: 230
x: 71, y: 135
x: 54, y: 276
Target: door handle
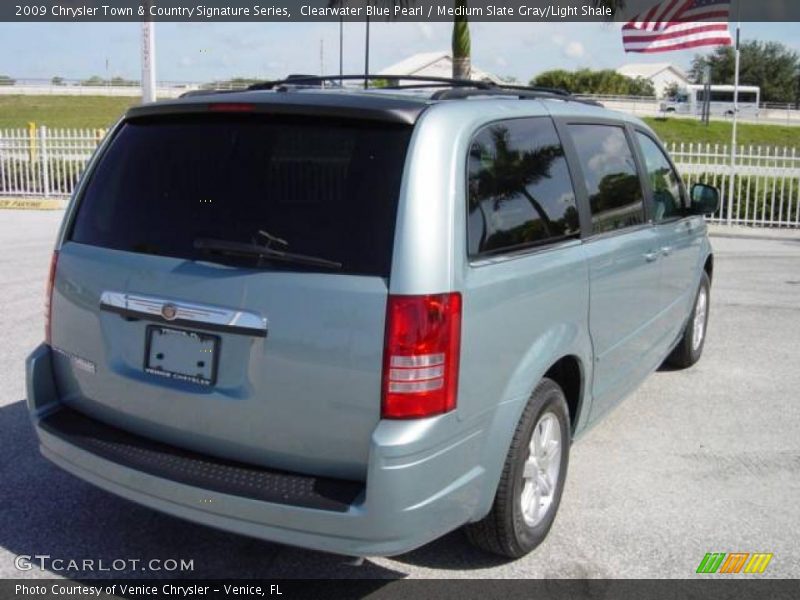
x: 651, y: 257
x: 666, y: 250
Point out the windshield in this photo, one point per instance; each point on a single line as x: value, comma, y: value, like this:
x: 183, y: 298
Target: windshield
x: 324, y: 188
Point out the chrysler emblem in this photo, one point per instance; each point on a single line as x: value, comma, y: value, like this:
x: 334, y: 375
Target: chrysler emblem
x: 169, y: 312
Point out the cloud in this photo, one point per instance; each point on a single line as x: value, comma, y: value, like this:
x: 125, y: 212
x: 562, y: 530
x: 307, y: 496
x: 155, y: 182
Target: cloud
x: 570, y: 49
x: 574, y: 50
x: 425, y: 30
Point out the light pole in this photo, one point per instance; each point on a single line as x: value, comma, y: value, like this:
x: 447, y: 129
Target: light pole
x: 732, y: 177
x: 366, y: 59
x: 148, y: 61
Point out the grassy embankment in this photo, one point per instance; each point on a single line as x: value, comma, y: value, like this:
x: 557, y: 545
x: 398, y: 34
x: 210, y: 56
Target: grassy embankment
x: 719, y: 132
x: 79, y: 112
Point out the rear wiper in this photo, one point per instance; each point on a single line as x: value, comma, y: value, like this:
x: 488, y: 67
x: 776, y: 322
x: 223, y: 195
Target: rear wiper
x: 242, y: 249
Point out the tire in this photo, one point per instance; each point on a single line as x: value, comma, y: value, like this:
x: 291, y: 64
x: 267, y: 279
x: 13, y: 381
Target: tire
x: 690, y: 348
x: 508, y: 530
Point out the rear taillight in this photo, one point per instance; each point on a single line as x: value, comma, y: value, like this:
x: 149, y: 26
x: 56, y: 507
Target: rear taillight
x: 48, y: 299
x: 421, y: 353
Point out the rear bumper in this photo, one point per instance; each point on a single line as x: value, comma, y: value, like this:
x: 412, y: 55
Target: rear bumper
x: 424, y: 479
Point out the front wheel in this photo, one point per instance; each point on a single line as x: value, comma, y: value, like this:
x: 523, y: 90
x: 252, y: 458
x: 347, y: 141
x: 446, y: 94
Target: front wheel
x: 530, y: 488
x: 690, y: 348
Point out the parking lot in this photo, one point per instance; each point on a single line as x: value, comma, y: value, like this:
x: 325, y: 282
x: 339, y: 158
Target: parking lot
x: 706, y: 460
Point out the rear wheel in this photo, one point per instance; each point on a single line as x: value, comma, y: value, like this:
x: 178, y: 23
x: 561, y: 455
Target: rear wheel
x: 690, y: 348
x: 530, y: 488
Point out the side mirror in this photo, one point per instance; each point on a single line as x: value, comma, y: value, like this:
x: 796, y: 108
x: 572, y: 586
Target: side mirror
x: 705, y: 199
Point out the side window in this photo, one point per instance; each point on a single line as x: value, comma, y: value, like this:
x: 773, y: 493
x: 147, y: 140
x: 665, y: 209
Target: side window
x: 519, y: 188
x: 612, y: 183
x: 668, y: 200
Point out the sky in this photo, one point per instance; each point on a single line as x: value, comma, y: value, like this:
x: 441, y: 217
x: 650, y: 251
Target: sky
x: 196, y: 52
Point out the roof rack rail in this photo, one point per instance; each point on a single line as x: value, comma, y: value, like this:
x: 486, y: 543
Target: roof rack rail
x: 453, y: 88
x: 320, y: 79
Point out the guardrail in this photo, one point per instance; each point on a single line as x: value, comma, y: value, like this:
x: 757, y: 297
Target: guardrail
x: 48, y: 163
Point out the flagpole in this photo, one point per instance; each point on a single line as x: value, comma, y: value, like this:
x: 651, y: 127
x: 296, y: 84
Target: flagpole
x: 731, y: 189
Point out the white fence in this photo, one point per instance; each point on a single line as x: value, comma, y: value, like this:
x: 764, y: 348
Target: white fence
x: 766, y: 181
x: 46, y: 162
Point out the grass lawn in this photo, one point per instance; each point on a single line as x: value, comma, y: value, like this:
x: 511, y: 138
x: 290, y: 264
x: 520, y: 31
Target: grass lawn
x: 719, y: 132
x: 63, y: 111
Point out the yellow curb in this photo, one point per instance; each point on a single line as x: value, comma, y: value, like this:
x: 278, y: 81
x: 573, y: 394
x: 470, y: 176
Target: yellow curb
x: 33, y: 203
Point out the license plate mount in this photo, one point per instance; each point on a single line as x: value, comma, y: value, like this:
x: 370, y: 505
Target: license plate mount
x: 181, y: 355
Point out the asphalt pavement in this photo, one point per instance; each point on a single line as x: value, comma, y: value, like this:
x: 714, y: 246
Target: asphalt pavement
x: 705, y: 460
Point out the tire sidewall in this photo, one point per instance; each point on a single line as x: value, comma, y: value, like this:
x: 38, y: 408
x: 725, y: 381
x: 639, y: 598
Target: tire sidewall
x: 696, y: 354
x: 550, y: 400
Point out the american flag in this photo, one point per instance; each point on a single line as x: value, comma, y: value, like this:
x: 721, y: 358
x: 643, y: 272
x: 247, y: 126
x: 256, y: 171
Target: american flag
x: 678, y: 24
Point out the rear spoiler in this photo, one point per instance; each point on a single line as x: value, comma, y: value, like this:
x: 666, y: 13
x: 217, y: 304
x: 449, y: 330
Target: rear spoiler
x: 346, y: 106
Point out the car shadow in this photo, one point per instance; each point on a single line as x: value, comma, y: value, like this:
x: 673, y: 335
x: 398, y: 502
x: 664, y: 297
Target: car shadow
x: 47, y: 511
x: 452, y: 552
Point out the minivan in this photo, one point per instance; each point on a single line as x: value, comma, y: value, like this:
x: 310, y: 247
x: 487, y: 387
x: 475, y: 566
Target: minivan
x: 354, y: 320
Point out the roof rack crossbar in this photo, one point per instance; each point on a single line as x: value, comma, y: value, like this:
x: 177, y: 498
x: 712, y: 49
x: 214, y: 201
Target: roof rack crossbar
x: 319, y: 79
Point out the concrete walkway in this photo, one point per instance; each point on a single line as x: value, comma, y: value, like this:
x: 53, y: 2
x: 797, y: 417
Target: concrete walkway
x: 754, y: 233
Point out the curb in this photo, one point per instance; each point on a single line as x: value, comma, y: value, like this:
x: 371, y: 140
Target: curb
x: 33, y: 203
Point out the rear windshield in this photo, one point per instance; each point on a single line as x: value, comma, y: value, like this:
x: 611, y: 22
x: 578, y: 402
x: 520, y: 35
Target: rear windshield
x: 317, y: 187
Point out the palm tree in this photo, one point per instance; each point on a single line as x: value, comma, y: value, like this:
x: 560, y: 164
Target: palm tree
x: 461, y: 45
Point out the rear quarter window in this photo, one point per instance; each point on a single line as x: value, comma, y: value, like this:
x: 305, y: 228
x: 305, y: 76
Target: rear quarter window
x: 520, y: 193
x: 328, y: 188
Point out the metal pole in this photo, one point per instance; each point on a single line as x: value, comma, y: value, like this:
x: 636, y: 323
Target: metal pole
x: 148, y: 61
x: 731, y: 187
x: 366, y: 59
x: 341, y: 50
x: 45, y: 163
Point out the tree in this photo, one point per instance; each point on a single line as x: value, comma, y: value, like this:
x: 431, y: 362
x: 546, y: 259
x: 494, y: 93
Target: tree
x: 672, y: 90
x: 122, y: 82
x: 559, y: 79
x: 57, y: 81
x: 585, y: 81
x: 6, y: 80
x: 93, y: 81
x: 772, y: 66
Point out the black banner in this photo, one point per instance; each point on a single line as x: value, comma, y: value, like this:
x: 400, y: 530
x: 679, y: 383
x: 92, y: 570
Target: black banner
x: 556, y: 11
x: 595, y: 589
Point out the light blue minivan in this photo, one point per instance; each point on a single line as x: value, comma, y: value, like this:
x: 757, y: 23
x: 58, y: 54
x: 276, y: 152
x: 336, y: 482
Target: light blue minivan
x: 355, y: 320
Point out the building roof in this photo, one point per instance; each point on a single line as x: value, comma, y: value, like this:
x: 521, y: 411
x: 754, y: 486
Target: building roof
x: 649, y: 70
x: 438, y: 64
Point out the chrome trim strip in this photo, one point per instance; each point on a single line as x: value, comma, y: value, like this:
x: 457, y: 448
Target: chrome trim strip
x: 204, y: 316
